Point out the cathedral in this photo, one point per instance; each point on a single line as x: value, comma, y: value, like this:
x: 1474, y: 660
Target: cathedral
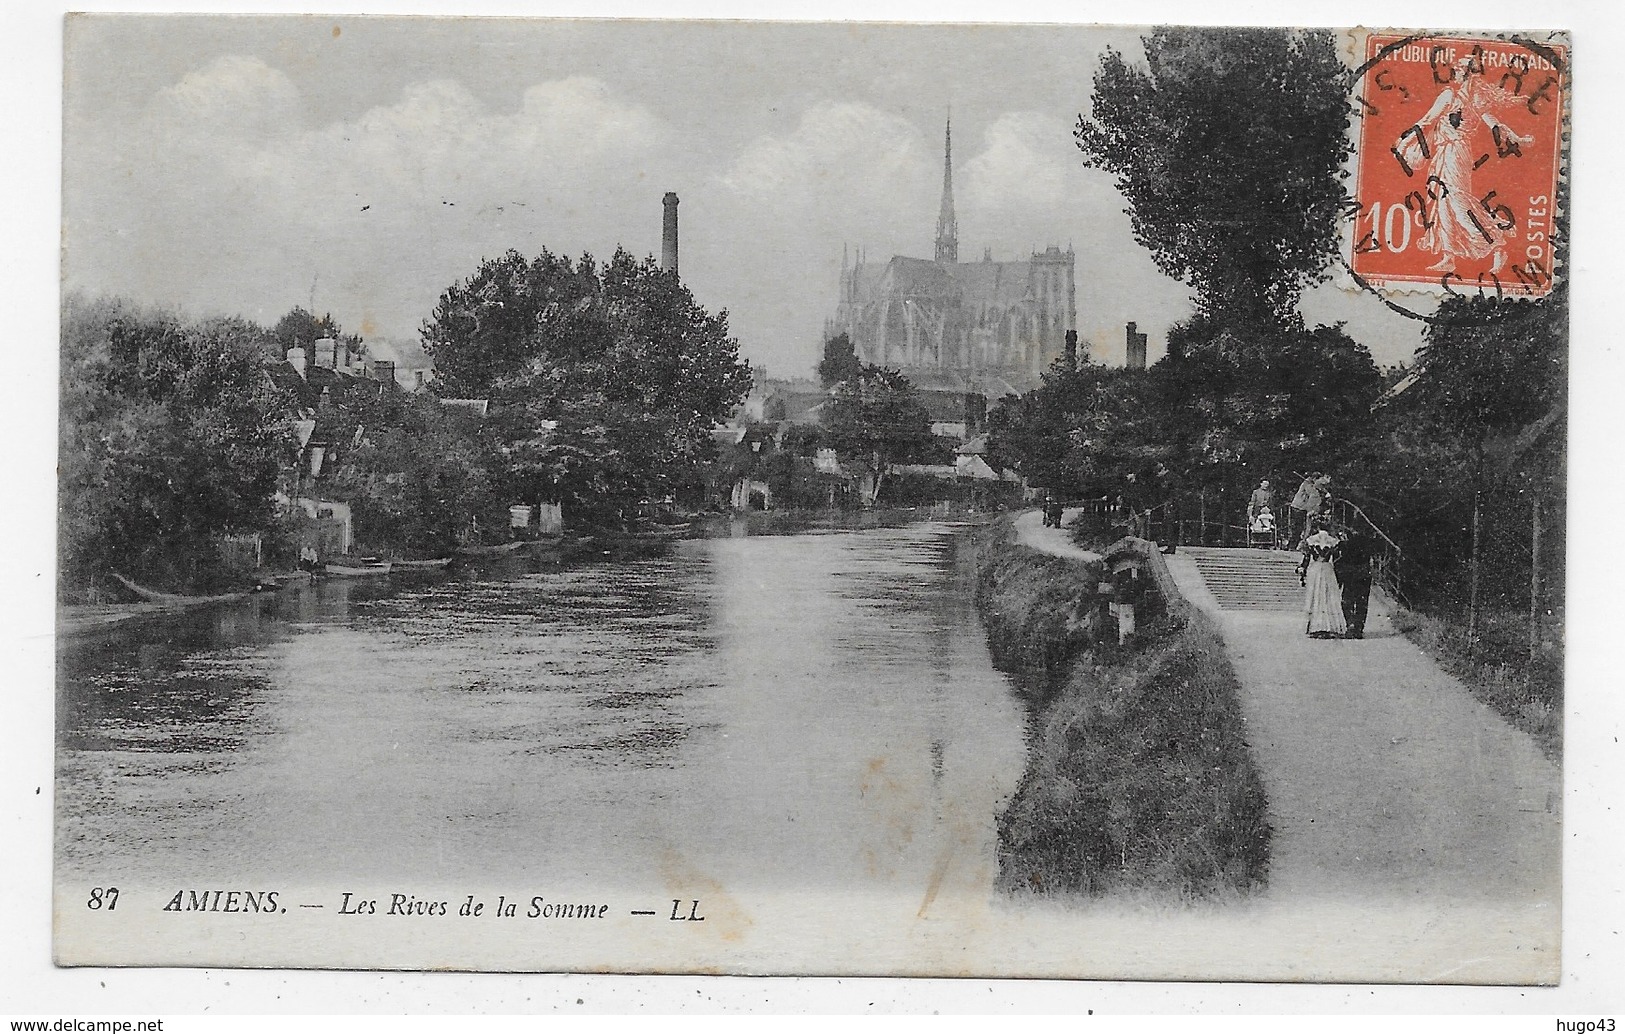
x: 987, y: 327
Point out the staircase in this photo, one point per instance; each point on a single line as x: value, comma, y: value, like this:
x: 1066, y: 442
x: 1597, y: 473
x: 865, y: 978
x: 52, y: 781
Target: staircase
x: 1249, y: 579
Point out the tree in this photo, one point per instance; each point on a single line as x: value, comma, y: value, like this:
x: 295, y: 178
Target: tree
x: 1239, y: 405
x: 419, y: 476
x: 605, y: 380
x: 840, y: 362
x: 877, y: 419
x: 1222, y: 410
x: 300, y: 329
x: 1480, y: 433
x: 170, y: 437
x: 1229, y: 148
x: 1490, y: 366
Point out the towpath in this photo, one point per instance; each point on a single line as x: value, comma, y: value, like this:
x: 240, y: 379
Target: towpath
x: 1030, y: 531
x: 1386, y: 779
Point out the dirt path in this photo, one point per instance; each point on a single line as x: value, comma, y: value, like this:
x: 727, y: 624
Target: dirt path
x: 1030, y: 531
x: 1390, y: 788
x: 1385, y: 777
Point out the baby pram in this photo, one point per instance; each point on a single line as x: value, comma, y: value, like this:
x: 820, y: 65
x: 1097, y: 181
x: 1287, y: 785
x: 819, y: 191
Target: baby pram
x: 1261, y: 532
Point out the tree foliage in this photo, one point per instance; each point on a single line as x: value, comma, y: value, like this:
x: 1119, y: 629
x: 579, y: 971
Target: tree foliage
x: 1490, y: 366
x: 300, y: 329
x: 1229, y: 148
x: 419, y: 477
x: 604, y: 379
x: 877, y: 419
x: 1221, y: 410
x: 170, y: 436
x: 840, y: 362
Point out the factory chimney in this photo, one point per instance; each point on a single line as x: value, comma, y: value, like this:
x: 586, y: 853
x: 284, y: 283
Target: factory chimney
x: 668, y: 236
x: 1136, y: 343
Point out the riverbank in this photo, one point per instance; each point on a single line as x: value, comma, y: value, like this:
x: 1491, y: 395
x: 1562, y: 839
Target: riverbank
x: 1138, y: 774
x: 80, y: 619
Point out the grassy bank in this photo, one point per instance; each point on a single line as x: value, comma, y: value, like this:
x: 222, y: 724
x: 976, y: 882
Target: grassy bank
x: 1496, y: 667
x: 1138, y: 776
x: 1039, y: 610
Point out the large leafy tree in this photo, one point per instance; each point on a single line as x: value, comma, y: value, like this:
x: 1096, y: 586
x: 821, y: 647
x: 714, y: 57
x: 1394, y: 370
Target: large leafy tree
x: 877, y: 419
x: 840, y: 361
x: 1229, y: 148
x: 605, y: 379
x: 170, y: 436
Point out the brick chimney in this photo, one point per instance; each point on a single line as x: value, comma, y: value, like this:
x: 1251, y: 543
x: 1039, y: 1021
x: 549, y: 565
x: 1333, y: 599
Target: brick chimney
x: 1136, y: 348
x: 668, y: 235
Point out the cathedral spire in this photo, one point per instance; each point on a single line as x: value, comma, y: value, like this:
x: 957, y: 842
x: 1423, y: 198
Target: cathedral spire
x: 947, y: 225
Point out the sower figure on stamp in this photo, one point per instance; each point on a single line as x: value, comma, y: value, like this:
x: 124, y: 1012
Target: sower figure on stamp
x: 1459, y: 224
x: 1353, y: 569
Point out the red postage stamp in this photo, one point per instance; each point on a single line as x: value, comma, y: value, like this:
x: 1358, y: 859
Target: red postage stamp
x: 1459, y: 151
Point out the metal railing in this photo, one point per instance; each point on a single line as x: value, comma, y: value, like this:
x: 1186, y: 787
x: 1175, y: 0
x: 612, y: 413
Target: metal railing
x: 1388, y: 561
x: 1196, y: 522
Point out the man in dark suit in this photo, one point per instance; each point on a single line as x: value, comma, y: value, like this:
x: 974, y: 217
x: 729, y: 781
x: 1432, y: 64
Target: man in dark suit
x: 1353, y: 569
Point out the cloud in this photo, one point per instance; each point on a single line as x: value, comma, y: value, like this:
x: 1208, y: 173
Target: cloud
x: 222, y: 199
x: 1026, y: 187
x: 233, y: 97
x: 848, y: 169
x: 846, y: 174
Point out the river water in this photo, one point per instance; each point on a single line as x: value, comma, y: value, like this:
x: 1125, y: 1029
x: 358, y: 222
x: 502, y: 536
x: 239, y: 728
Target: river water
x: 813, y: 711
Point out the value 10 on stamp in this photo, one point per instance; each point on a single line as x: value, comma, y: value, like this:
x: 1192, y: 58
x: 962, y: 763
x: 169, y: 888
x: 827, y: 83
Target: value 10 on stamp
x: 1460, y: 144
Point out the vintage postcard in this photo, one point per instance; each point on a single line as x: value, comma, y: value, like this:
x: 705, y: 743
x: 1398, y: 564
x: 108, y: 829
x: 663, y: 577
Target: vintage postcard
x: 813, y: 498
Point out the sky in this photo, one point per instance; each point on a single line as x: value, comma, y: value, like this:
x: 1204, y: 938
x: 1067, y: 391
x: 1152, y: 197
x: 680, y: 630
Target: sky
x: 247, y: 165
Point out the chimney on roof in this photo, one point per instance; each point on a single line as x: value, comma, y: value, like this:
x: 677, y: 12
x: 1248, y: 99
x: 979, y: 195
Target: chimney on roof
x: 383, y: 371
x: 1136, y: 348
x: 296, y: 359
x: 326, y: 353
x: 668, y: 233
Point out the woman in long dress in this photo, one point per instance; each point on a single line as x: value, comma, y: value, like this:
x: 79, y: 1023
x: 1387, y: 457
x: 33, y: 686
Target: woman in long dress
x: 1322, y: 596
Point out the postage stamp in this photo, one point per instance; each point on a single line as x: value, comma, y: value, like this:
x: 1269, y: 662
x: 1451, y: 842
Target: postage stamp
x: 1459, y: 157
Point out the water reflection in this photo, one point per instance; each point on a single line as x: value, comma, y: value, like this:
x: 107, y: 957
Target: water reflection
x: 811, y: 710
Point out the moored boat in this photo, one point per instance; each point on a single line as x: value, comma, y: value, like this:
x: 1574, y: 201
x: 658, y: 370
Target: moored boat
x: 358, y: 567
x: 422, y: 565
x: 171, y: 599
x: 505, y: 547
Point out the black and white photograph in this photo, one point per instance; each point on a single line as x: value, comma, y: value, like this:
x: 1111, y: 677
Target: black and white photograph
x: 816, y: 498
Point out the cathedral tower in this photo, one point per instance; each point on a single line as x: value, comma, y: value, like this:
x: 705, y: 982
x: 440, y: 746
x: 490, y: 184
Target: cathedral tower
x: 947, y: 225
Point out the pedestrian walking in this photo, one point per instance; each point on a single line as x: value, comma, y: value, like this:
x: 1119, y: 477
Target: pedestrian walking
x: 1352, y: 566
x: 1316, y: 573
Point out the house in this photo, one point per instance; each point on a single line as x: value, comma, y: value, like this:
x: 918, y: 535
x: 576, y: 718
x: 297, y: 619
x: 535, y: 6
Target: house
x: 320, y: 382
x: 798, y: 402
